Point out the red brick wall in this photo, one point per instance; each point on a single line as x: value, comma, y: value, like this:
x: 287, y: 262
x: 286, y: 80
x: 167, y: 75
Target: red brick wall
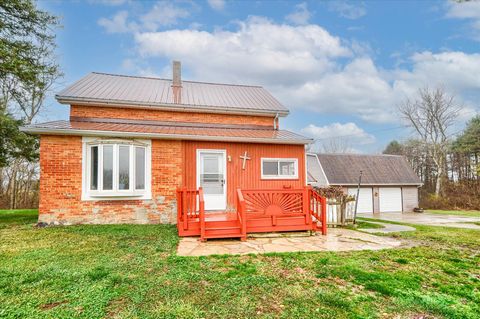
x: 61, y: 186
x: 141, y: 114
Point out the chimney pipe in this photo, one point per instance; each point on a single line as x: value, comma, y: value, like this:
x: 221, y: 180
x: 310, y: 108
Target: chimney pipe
x: 177, y: 82
x: 177, y: 73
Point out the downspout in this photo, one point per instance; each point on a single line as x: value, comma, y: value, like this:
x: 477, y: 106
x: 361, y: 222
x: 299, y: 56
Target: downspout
x: 275, y: 120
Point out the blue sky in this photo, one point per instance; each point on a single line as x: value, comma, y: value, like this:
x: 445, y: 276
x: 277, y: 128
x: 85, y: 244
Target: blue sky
x: 341, y: 67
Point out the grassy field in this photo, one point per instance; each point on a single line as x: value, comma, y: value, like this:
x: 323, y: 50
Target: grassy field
x: 132, y: 271
x: 468, y: 213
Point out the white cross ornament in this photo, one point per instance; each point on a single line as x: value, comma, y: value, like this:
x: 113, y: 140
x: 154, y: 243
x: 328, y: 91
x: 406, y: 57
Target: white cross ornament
x: 244, y: 157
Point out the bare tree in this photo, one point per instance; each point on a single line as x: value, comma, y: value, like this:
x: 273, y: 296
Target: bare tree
x: 335, y: 145
x: 431, y: 114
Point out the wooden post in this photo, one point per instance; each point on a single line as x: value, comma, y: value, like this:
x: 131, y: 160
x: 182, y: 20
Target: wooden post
x: 324, y: 215
x: 241, y: 211
x: 184, y: 208
x: 306, y: 206
x: 179, y: 208
x: 201, y: 204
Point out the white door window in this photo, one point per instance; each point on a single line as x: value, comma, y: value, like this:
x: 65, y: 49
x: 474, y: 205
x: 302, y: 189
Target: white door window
x: 211, y: 176
x: 390, y: 199
x: 365, y: 199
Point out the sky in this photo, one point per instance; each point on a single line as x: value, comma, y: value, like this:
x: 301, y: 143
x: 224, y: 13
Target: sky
x: 341, y: 67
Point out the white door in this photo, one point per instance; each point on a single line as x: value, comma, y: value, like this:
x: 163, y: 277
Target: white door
x: 365, y: 199
x: 211, y: 168
x: 390, y: 199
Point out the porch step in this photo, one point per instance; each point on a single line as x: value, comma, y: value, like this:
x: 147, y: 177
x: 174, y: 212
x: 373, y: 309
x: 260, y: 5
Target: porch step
x: 224, y: 229
x: 222, y: 232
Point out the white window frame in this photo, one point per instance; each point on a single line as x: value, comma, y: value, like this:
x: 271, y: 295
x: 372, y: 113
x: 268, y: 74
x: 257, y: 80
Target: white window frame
x: 278, y: 160
x: 115, y: 193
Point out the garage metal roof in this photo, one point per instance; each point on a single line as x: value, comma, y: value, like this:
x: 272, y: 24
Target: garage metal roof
x: 121, y: 90
x: 344, y: 169
x: 167, y: 130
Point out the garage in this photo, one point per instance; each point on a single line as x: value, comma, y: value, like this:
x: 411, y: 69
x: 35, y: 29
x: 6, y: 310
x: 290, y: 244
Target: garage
x: 387, y: 183
x: 365, y: 199
x: 390, y: 199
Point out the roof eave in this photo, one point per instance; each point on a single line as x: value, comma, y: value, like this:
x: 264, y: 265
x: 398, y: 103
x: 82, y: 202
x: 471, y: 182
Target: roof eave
x: 50, y: 131
x: 169, y: 107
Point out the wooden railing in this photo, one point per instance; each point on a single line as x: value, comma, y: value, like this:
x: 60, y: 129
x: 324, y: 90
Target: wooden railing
x: 242, y: 214
x: 318, y: 209
x: 277, y: 203
x: 190, y: 206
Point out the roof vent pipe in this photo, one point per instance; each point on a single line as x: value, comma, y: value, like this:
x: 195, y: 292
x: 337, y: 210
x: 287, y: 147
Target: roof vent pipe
x: 177, y: 82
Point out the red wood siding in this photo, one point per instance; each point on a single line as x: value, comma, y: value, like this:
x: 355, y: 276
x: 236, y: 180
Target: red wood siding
x: 250, y: 178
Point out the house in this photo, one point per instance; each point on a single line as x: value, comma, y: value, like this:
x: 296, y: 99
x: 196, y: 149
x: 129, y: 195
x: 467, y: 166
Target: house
x: 209, y: 157
x: 388, y: 182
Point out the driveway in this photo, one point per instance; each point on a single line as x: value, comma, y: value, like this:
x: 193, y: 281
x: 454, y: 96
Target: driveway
x: 428, y: 219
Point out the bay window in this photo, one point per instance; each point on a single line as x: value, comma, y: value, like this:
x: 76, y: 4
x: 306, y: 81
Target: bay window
x: 116, y: 169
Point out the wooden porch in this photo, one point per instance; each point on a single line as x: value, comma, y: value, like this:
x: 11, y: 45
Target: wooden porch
x: 256, y: 211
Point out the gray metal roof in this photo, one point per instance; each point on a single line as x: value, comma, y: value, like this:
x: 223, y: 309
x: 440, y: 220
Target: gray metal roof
x: 344, y: 169
x: 101, y: 88
x: 167, y: 130
x: 315, y: 175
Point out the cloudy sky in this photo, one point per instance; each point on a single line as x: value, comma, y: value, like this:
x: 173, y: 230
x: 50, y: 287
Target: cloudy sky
x: 340, y: 67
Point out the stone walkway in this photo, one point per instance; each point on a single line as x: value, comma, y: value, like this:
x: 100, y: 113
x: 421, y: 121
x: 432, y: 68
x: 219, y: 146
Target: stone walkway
x: 337, y: 240
x: 427, y: 219
x: 387, y: 228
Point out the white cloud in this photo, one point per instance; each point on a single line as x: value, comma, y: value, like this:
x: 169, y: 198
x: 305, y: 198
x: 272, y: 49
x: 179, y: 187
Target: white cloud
x: 118, y: 23
x: 258, y: 52
x: 348, y: 131
x: 468, y: 10
x: 349, y: 10
x: 300, y: 16
x: 163, y: 14
x: 307, y: 67
x: 218, y: 5
x: 108, y: 2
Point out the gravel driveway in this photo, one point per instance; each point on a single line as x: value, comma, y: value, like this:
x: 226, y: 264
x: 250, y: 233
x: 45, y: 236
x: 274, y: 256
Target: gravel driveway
x: 428, y: 219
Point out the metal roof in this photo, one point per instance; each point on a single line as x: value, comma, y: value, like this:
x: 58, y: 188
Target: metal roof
x: 344, y: 169
x: 167, y: 130
x: 108, y: 89
x: 315, y: 174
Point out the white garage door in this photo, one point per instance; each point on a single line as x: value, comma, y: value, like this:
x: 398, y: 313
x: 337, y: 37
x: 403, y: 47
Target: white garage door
x: 390, y: 199
x: 365, y: 201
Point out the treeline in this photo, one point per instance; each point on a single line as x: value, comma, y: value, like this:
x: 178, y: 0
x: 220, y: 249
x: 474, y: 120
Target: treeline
x: 28, y: 69
x: 460, y: 173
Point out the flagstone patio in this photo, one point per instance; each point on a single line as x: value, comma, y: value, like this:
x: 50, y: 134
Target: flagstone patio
x: 336, y: 240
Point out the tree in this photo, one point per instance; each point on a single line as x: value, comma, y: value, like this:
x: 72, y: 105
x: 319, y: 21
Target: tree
x: 336, y: 146
x: 468, y: 145
x: 394, y: 148
x: 26, y: 46
x: 431, y: 114
x: 28, y: 69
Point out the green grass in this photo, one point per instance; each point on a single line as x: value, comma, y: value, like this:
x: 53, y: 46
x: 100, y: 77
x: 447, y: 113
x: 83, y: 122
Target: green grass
x: 469, y: 213
x: 366, y: 225
x: 18, y: 216
x: 132, y: 271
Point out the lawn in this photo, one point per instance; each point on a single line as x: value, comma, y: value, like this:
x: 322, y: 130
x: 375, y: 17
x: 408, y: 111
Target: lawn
x: 468, y: 213
x: 132, y: 271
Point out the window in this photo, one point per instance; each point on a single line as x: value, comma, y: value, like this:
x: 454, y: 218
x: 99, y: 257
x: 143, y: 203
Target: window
x: 279, y: 168
x: 116, y: 169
